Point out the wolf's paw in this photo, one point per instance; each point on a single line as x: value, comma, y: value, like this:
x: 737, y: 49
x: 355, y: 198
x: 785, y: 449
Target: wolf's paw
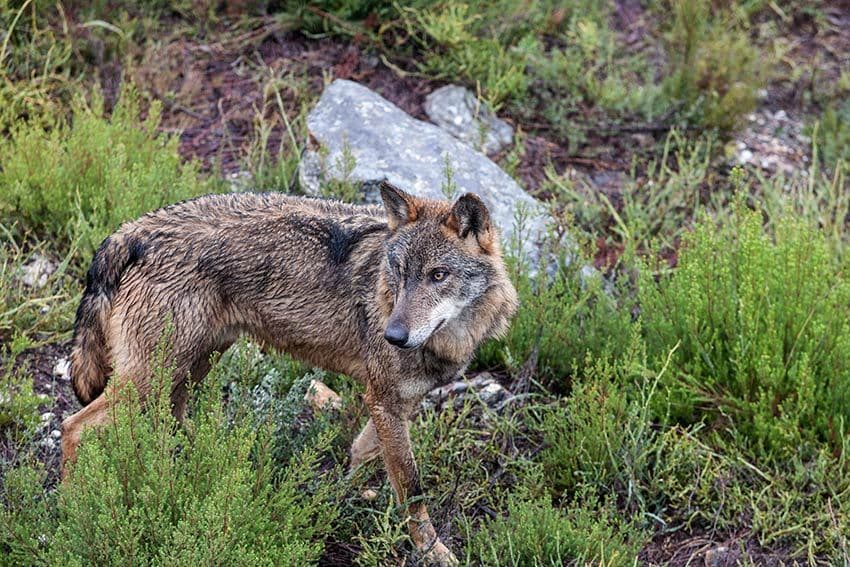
x: 440, y: 556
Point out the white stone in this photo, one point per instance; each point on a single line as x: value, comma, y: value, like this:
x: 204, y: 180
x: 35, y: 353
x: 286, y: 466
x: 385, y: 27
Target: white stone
x: 61, y: 369
x: 35, y: 272
x: 456, y: 110
x: 390, y: 145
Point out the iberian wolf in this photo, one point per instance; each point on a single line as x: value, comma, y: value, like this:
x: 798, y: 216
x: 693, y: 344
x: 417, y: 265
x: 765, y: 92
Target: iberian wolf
x: 398, y: 297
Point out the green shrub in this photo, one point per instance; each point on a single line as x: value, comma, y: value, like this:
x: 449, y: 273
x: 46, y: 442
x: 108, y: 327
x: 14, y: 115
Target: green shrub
x: 501, y: 49
x: 30, y: 310
x: 77, y: 183
x: 18, y: 402
x: 832, y: 135
x: 584, y: 436
x: 146, y: 490
x: 27, y: 515
x: 695, y: 486
x: 765, y: 341
x: 604, y: 438
x: 795, y: 505
x: 270, y: 389
x: 35, y: 63
x: 714, y: 70
x: 566, y: 316
x: 536, y: 533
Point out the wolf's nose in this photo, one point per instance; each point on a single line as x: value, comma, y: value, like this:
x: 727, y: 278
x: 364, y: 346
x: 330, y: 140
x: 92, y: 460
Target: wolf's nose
x: 396, y: 335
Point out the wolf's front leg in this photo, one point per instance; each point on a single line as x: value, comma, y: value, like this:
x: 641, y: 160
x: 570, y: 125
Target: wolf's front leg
x: 394, y: 438
x: 365, y: 447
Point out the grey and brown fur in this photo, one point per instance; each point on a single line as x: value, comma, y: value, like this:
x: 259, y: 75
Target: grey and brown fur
x: 329, y: 283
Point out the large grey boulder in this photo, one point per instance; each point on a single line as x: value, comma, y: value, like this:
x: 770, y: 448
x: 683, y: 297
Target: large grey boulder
x: 365, y: 139
x: 459, y: 112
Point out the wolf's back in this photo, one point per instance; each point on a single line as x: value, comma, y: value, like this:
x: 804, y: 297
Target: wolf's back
x: 90, y: 358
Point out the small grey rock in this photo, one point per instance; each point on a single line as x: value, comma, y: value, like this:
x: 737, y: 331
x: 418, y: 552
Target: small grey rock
x: 456, y: 110
x: 239, y: 181
x: 484, y: 386
x: 46, y: 421
x: 492, y: 394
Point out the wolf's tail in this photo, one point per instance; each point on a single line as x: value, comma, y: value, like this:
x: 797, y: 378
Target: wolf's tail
x: 90, y: 360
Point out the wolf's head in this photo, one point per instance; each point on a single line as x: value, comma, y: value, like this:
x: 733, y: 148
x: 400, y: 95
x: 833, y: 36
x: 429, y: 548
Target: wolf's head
x: 443, y: 275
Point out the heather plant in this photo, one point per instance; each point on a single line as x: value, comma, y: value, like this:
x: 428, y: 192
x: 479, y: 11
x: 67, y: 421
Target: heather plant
x: 18, y: 402
x: 538, y: 533
x: 765, y: 341
x: 77, y: 182
x: 832, y: 134
x: 564, y: 316
x: 715, y: 71
x: 586, y: 435
x: 145, y: 489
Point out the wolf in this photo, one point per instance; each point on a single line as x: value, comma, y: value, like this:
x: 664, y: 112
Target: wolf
x: 398, y: 297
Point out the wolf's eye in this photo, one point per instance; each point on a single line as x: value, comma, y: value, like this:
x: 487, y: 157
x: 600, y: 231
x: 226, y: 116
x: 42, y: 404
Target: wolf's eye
x: 439, y: 275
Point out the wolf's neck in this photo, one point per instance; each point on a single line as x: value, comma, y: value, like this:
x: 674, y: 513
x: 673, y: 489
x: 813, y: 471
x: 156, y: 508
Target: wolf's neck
x: 487, y: 318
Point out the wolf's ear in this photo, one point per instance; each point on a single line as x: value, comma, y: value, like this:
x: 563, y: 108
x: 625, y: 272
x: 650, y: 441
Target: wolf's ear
x: 401, y: 207
x: 470, y: 216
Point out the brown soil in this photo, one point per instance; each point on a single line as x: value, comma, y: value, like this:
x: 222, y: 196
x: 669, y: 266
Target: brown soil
x: 60, y: 401
x: 217, y: 89
x: 681, y: 549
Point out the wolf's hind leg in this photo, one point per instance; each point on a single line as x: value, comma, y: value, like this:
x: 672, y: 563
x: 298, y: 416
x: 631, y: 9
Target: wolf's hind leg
x: 194, y: 372
x: 95, y: 414
x: 365, y: 447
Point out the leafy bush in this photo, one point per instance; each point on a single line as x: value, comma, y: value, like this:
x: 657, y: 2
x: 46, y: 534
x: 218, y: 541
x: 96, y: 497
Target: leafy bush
x: 18, y: 402
x: 565, y: 316
x: 78, y: 182
x: 832, y: 134
x: 536, y: 533
x: 147, y: 490
x: 715, y: 71
x: 765, y: 341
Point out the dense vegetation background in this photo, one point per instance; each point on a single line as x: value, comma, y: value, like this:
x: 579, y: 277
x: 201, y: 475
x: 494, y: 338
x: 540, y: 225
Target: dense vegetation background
x: 689, y: 402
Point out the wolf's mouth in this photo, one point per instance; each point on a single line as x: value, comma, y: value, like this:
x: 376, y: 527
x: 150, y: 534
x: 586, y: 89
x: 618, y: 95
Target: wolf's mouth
x: 439, y: 326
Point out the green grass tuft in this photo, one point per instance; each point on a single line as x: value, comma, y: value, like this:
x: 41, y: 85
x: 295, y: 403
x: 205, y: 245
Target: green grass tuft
x: 75, y: 183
